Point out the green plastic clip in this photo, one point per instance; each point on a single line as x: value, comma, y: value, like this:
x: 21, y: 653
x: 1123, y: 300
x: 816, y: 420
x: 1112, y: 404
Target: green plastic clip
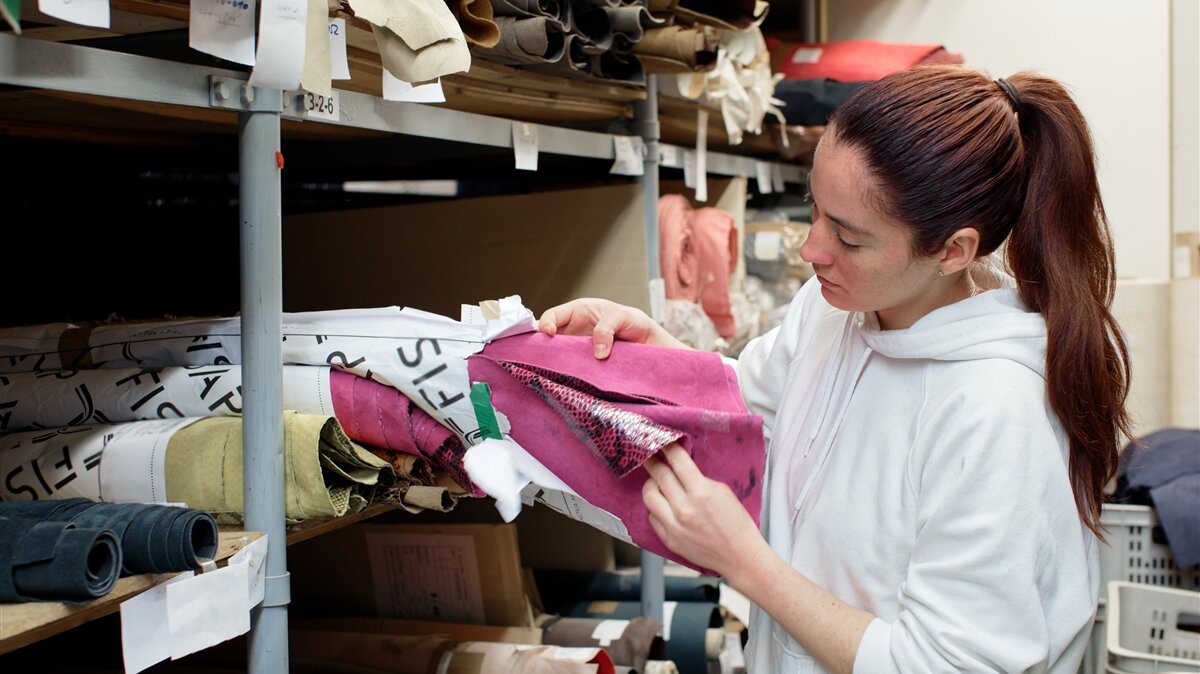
x: 485, y: 414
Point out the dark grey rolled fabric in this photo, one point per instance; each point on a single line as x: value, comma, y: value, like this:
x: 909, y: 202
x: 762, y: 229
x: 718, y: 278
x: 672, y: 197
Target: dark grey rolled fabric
x: 569, y: 586
x: 153, y: 538
x: 56, y: 561
x: 690, y: 622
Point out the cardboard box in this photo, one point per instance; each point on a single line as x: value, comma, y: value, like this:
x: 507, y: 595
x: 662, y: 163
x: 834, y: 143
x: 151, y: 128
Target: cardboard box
x: 464, y: 573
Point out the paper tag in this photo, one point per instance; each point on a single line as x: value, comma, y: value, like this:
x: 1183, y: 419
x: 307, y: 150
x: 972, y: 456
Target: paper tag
x: 702, y: 155
x: 83, y: 12
x: 339, y: 65
x: 658, y: 300
x: 777, y: 178
x: 145, y: 635
x: 763, y: 174
x: 320, y: 107
x: 689, y: 169
x: 223, y: 28
x: 628, y: 151
x: 207, y: 609
x: 735, y: 602
x: 767, y: 245
x: 668, y: 155
x: 668, y: 613
x: 807, y: 55
x: 395, y: 89
x: 279, y: 62
x: 731, y: 658
x: 525, y: 145
x: 609, y: 631
x: 254, y: 556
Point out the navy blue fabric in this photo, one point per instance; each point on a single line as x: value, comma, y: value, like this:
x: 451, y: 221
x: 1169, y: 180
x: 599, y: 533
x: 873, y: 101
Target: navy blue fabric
x: 1165, y: 473
x: 811, y: 102
x: 154, y: 538
x: 56, y: 561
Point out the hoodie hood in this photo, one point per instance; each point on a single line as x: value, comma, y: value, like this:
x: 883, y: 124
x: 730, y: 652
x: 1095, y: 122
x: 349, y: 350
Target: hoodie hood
x: 992, y: 324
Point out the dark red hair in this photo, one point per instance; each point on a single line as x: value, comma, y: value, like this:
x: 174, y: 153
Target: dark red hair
x: 949, y: 148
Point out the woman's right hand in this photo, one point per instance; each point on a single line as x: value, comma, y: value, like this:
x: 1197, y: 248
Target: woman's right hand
x: 605, y: 321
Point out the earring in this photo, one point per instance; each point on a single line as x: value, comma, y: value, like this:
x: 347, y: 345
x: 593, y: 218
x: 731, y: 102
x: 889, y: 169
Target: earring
x: 941, y: 273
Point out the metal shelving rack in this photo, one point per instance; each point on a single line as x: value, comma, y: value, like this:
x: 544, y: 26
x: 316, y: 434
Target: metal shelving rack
x: 26, y: 62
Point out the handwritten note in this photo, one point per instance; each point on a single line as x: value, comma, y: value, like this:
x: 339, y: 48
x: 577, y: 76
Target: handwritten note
x: 223, y: 28
x: 525, y: 145
x: 82, y: 12
x: 339, y: 65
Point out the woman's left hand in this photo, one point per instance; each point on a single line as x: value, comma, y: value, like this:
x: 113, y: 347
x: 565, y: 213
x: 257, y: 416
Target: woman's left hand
x: 698, y: 518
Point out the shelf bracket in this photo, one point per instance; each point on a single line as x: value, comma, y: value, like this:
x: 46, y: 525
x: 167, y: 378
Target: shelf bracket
x: 231, y: 93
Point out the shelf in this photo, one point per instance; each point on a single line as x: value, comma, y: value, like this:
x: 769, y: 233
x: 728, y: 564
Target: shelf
x: 23, y: 624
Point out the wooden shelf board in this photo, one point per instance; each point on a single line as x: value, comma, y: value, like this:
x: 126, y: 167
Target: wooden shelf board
x: 23, y: 624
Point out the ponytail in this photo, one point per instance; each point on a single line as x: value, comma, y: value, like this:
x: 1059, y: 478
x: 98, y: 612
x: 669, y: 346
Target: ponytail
x: 949, y: 147
x: 1060, y: 252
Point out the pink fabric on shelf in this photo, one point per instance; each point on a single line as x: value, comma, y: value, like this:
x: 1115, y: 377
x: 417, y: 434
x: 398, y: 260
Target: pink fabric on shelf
x: 593, y: 423
x: 852, y: 60
x: 716, y: 237
x: 677, y: 251
x: 380, y: 416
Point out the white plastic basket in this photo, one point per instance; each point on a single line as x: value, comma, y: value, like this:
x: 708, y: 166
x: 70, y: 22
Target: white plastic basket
x: 1132, y: 555
x: 1143, y: 629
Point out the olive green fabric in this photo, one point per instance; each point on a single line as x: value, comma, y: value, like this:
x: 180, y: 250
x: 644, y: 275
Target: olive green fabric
x: 325, y: 473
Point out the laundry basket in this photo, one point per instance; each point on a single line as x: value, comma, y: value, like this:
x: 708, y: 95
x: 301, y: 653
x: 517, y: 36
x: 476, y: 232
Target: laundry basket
x: 1132, y: 555
x: 1144, y: 629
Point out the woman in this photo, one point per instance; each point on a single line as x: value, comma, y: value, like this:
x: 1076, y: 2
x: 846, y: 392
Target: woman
x: 940, y: 431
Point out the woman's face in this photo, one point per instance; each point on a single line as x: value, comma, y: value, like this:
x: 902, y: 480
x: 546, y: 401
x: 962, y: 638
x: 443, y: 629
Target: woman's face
x: 862, y: 258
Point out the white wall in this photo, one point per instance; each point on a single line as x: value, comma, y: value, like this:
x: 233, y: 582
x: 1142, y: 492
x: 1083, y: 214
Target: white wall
x: 1185, y: 113
x: 1114, y: 56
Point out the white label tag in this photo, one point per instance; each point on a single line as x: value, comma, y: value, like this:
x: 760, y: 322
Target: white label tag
x: 689, y: 169
x: 668, y: 155
x: 254, y: 556
x: 525, y: 145
x: 319, y: 107
x: 628, y: 151
x: 207, y: 609
x: 658, y: 300
x: 763, y: 174
x: 83, y: 12
x: 282, y: 27
x: 668, y: 613
x: 223, y: 28
x: 777, y: 178
x: 339, y: 65
x: 1183, y: 262
x: 609, y: 631
x: 807, y: 55
x: 396, y: 89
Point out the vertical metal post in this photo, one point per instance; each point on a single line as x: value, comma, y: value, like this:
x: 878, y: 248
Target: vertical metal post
x: 262, y: 367
x: 646, y: 119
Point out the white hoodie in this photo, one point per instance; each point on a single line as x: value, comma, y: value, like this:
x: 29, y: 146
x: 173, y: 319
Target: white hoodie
x: 921, y: 475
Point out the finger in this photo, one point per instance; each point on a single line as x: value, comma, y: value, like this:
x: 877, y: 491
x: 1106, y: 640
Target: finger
x: 612, y: 325
x: 548, y: 323
x: 663, y: 477
x: 657, y: 505
x: 682, y: 466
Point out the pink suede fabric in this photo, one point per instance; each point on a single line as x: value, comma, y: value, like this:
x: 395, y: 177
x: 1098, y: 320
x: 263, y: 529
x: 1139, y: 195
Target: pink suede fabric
x: 380, y: 416
x: 638, y: 389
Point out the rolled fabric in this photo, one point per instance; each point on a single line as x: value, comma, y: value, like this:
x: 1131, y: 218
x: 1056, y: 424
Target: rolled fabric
x: 686, y: 637
x: 153, y: 538
x: 572, y: 586
x: 677, y: 249
x: 736, y: 15
x: 678, y: 49
x: 717, y: 247
x: 627, y: 642
x: 477, y: 20
x: 418, y: 40
x: 526, y: 40
x: 55, y: 561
